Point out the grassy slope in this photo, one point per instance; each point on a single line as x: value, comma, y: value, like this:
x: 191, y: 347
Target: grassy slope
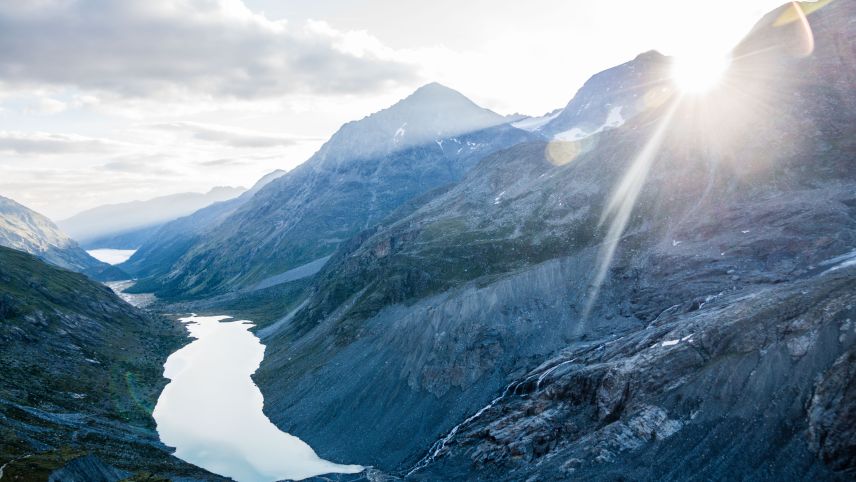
x: 80, y: 372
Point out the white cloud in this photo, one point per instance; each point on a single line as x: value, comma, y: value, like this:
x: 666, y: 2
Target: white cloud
x: 179, y: 48
x: 34, y: 143
x: 228, y: 136
x: 46, y: 105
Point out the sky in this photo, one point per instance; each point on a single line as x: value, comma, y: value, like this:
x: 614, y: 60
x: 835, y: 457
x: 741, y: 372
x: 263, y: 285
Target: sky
x: 104, y: 101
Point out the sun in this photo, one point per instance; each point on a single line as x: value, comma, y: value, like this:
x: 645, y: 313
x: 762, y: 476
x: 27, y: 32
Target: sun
x: 698, y: 73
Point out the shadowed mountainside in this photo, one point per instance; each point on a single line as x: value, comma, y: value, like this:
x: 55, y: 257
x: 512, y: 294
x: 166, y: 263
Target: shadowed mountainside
x: 81, y: 372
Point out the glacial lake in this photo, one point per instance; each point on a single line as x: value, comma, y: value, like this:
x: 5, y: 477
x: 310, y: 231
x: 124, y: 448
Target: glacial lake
x: 112, y: 256
x: 211, y: 410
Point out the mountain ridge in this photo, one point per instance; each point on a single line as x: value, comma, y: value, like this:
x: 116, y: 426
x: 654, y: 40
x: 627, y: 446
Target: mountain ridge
x: 26, y: 230
x: 358, y: 176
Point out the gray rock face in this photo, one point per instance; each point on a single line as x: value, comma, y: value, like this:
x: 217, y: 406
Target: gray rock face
x: 706, y: 394
x: 832, y: 411
x: 364, y: 172
x: 29, y: 231
x: 720, y: 307
x: 87, y: 469
x: 443, y: 357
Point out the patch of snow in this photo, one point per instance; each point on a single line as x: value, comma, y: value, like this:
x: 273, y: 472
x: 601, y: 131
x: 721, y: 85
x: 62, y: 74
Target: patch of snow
x: 709, y: 298
x: 498, y: 198
x: 670, y: 342
x: 572, y: 135
x: 845, y: 264
x: 676, y: 242
x: 613, y: 120
x: 400, y: 133
x: 533, y: 124
x: 745, y: 231
x: 840, y: 262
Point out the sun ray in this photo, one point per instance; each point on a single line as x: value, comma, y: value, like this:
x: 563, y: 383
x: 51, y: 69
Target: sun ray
x: 621, y: 203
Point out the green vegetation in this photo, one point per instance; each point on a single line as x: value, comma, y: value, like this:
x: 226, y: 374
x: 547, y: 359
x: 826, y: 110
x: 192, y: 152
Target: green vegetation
x: 82, y: 371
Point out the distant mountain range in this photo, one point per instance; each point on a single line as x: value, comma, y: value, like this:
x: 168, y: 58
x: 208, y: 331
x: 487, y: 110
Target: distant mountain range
x: 128, y: 225
x: 29, y: 231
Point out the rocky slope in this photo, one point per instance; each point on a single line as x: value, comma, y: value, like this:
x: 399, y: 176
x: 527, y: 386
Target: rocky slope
x: 29, y: 231
x: 654, y: 264
x: 754, y: 385
x: 364, y: 172
x: 128, y: 225
x: 80, y: 371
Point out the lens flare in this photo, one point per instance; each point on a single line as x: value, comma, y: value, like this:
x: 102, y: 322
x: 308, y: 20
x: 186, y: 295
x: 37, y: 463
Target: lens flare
x: 622, y: 201
x: 699, y: 72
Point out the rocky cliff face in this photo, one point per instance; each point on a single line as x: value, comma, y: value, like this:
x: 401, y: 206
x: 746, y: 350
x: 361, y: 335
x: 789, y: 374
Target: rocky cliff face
x: 689, y: 271
x: 750, y: 386
x: 367, y: 169
x: 80, y: 371
x: 29, y: 231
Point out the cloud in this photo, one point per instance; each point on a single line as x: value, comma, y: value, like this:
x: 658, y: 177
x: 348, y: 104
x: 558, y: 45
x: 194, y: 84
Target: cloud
x: 46, y: 105
x: 25, y: 143
x: 140, y: 164
x: 232, y: 137
x: 176, y: 48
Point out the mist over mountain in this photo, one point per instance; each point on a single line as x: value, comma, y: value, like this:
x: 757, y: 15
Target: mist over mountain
x: 169, y: 242
x: 128, y: 225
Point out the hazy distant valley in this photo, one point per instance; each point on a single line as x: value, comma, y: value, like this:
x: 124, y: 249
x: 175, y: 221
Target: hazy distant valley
x: 649, y: 283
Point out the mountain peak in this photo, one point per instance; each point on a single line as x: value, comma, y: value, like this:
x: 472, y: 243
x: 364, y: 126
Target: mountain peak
x: 430, y: 114
x: 434, y: 90
x: 650, y: 55
x: 437, y: 97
